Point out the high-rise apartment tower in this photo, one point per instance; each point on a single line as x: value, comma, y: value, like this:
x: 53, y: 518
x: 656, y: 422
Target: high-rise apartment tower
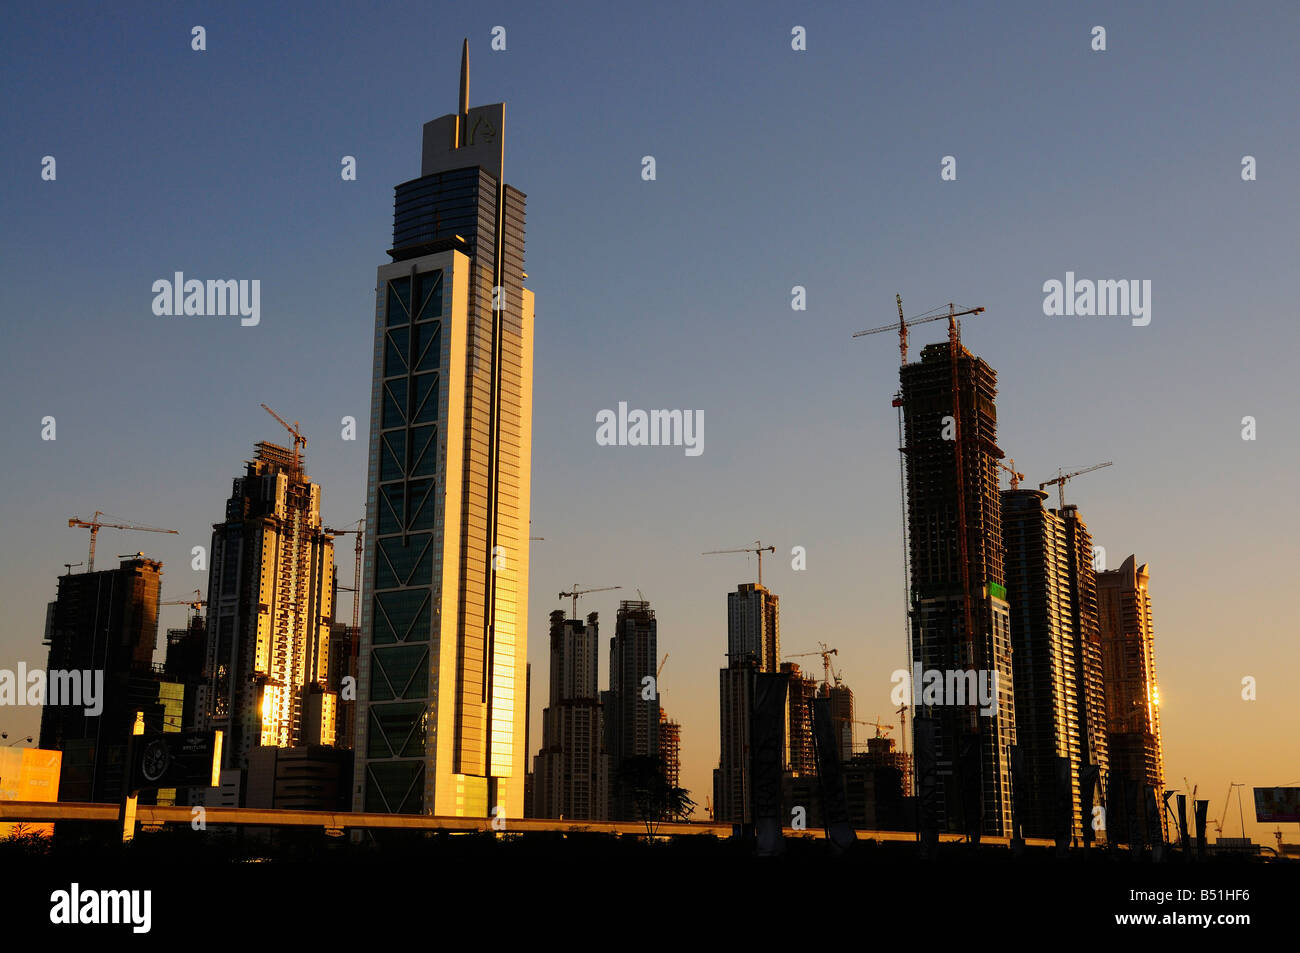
x: 631, y: 706
x: 270, y: 608
x: 1129, y: 672
x: 1040, y: 589
x: 571, y: 771
x: 753, y: 646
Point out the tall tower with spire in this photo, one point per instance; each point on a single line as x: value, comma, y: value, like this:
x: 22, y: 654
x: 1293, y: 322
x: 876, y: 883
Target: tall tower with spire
x: 441, y: 674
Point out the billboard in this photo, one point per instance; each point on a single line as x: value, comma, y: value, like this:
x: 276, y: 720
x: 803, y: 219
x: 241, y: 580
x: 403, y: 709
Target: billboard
x: 29, y: 774
x: 1281, y: 805
x: 173, y: 759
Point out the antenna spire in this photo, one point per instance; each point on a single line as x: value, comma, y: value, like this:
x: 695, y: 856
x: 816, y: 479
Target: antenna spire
x: 464, y: 79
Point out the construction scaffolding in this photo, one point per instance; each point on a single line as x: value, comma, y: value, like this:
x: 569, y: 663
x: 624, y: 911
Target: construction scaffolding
x: 670, y: 748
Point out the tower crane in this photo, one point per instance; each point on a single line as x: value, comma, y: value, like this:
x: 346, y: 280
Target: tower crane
x: 95, y: 525
x: 826, y: 663
x: 1064, y: 478
x: 907, y: 775
x: 195, y: 604
x: 1241, y: 816
x: 904, y: 324
x: 359, y: 532
x: 659, y: 671
x: 954, y: 349
x: 1010, y: 467
x: 973, y: 645
x: 877, y: 724
x: 576, y: 592
x: 758, y: 547
x: 1218, y: 822
x: 826, y: 654
x: 1223, y: 815
x: 355, y: 635
x: 299, y: 441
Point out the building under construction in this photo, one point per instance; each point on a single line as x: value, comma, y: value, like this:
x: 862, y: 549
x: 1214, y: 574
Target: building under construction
x: 186, y: 650
x: 802, y: 754
x: 270, y: 607
x: 842, y: 714
x: 1040, y: 587
x: 342, y: 665
x: 882, y: 752
x: 670, y: 749
x: 959, y: 615
x: 104, y: 622
x: 874, y: 785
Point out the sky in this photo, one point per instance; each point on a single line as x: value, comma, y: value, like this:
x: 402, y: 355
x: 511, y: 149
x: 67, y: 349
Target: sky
x: 774, y: 168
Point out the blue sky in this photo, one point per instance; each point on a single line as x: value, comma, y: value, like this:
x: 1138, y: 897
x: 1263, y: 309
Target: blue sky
x: 775, y: 168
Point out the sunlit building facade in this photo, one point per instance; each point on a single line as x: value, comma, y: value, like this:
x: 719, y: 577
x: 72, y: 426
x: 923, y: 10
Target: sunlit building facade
x: 270, y: 608
x: 440, y: 721
x: 1129, y: 672
x: 1090, y: 704
x: 1039, y: 588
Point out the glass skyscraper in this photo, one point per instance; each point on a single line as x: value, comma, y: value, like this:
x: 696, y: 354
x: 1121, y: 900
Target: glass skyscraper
x: 441, y: 673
